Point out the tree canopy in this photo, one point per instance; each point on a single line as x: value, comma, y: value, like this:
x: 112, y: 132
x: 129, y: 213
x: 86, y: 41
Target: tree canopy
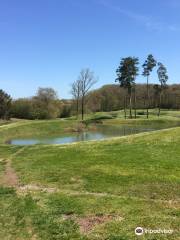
x: 5, y: 105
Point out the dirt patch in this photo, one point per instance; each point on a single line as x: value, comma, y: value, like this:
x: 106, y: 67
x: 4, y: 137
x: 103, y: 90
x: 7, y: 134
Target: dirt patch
x: 10, y: 177
x: 86, y: 224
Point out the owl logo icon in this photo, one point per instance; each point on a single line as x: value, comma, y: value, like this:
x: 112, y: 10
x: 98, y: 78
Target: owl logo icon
x: 139, y: 231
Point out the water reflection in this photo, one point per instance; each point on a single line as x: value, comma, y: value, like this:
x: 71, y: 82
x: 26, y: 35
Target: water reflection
x: 102, y: 132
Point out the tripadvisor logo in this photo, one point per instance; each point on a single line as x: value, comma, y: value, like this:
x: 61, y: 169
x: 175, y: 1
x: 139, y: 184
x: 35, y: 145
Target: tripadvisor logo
x: 139, y: 231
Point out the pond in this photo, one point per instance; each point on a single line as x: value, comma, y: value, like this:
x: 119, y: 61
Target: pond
x: 101, y: 132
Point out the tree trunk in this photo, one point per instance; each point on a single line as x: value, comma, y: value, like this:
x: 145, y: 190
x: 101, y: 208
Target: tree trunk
x: 130, y: 105
x: 125, y: 106
x: 159, y: 110
x: 135, y: 115
x: 77, y: 107
x: 156, y: 101
x: 144, y: 102
x: 147, y: 97
x: 82, y: 108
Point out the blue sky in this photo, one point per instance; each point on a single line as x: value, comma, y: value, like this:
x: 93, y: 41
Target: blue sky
x: 45, y: 43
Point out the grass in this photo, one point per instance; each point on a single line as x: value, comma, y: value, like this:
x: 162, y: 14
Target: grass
x: 38, y: 128
x: 42, y: 128
x: 135, y: 179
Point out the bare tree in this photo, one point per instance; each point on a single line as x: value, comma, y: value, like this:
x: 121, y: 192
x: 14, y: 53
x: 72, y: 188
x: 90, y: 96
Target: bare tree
x: 46, y: 95
x: 86, y: 80
x: 76, y: 93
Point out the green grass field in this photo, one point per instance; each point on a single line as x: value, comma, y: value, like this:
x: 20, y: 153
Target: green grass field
x: 91, y: 190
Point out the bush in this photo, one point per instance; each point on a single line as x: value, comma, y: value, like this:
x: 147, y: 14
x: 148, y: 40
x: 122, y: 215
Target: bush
x: 141, y: 113
x: 102, y: 117
x: 22, y: 108
x: 42, y: 106
x: 65, y: 111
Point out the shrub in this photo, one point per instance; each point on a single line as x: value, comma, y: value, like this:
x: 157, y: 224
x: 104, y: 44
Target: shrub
x: 141, y: 113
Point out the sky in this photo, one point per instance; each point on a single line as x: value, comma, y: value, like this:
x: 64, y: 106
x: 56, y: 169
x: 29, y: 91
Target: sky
x: 46, y: 43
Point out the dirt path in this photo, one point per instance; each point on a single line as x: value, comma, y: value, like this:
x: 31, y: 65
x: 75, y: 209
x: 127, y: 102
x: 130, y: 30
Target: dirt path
x: 10, y: 177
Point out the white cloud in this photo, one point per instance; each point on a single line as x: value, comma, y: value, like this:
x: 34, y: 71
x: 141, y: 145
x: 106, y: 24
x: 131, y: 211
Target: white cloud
x: 147, y: 21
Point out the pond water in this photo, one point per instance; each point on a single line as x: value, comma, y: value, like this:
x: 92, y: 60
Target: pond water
x: 101, y: 132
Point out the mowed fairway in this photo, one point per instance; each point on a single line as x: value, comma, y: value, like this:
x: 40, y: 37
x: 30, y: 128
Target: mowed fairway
x: 92, y: 190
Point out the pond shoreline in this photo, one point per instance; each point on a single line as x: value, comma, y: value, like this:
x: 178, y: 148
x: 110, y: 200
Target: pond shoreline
x: 101, y: 132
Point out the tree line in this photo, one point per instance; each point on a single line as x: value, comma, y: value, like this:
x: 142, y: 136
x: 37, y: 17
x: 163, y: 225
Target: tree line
x: 44, y: 105
x: 126, y: 95
x: 127, y: 72
x: 111, y: 98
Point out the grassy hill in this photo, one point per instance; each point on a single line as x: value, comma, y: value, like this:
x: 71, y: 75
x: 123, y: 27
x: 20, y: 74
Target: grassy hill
x: 91, y: 190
